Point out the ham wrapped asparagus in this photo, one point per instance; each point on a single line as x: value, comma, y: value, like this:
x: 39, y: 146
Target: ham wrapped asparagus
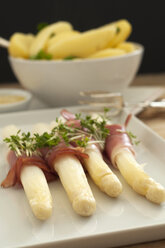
x: 120, y: 151
x: 65, y: 161
x: 30, y: 172
x: 99, y: 171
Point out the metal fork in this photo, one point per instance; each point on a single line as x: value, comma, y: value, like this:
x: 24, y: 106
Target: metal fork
x: 100, y: 99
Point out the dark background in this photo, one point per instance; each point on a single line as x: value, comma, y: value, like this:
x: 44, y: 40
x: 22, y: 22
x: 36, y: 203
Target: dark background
x: 147, y: 18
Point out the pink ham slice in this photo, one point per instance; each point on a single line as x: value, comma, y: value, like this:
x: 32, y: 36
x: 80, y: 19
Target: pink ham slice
x: 50, y: 154
x: 70, y: 119
x: 67, y: 115
x: 117, y: 139
x: 17, y: 164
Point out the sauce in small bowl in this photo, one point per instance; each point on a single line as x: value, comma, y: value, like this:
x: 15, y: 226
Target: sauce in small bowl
x: 14, y: 100
x: 7, y: 99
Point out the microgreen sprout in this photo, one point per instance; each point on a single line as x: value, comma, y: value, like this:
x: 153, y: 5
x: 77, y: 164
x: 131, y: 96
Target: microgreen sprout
x: 41, y: 26
x: 70, y: 57
x: 22, y: 143
x: 133, y: 138
x: 41, y: 55
x: 90, y: 131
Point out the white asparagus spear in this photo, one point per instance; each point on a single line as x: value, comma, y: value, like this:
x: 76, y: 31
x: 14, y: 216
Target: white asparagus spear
x: 75, y: 184
x: 137, y: 178
x: 73, y: 179
x: 100, y: 172
x: 34, y: 184
x: 37, y: 191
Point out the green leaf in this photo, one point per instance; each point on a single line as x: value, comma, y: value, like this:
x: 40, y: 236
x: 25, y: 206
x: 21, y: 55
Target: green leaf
x: 133, y: 138
x: 117, y: 30
x: 41, y: 26
x: 41, y: 55
x: 90, y: 131
x: 52, y: 35
x: 106, y: 110
x: 70, y: 57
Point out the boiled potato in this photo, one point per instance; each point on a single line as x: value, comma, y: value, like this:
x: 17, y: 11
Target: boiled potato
x: 109, y: 52
x: 126, y: 46
x: 83, y: 44
x: 61, y: 36
x: 60, y: 41
x: 123, y: 30
x: 19, y: 45
x: 42, y: 37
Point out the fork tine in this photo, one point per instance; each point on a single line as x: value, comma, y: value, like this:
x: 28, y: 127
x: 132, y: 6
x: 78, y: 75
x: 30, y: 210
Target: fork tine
x: 101, y: 99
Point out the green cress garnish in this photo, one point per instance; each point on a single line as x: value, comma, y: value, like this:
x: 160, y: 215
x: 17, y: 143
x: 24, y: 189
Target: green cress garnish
x: 52, y: 35
x: 41, y: 26
x: 133, y: 138
x: 21, y: 143
x: 41, y: 55
x: 91, y: 131
x: 117, y: 30
x: 70, y: 57
x: 96, y: 128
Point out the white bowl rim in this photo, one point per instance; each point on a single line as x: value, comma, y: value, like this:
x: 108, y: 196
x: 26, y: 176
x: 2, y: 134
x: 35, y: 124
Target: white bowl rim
x: 138, y: 50
x: 15, y: 91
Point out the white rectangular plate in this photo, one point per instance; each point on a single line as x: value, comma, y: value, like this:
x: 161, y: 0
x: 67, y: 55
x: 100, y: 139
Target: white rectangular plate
x: 126, y: 220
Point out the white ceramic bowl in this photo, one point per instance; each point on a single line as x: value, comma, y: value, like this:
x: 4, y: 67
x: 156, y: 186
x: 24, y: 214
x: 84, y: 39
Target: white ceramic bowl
x: 14, y: 106
x: 59, y: 82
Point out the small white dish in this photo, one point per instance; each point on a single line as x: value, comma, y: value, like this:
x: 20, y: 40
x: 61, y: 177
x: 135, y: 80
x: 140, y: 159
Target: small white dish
x: 12, y: 100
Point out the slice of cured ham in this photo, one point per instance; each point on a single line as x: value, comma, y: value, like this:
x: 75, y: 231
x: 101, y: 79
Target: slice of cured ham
x: 51, y: 154
x: 18, y: 163
x: 117, y: 139
x: 30, y: 172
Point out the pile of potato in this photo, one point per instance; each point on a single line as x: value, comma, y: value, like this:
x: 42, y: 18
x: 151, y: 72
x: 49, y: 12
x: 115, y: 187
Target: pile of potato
x: 60, y: 41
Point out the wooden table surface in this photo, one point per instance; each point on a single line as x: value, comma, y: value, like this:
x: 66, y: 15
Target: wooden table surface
x: 154, y: 119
